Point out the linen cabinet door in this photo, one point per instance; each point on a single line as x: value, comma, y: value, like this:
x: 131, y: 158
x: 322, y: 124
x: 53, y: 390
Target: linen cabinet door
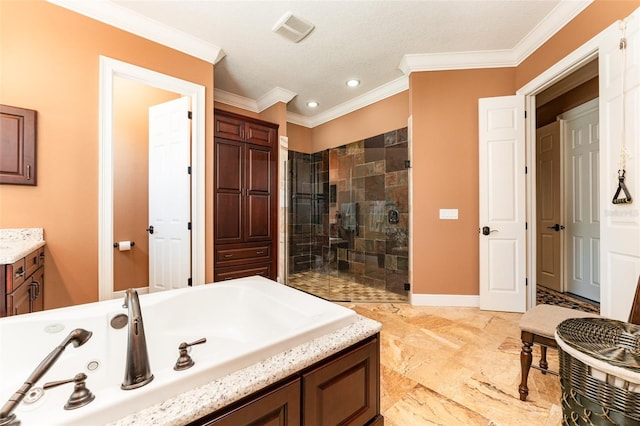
x: 228, y: 209
x: 260, y: 183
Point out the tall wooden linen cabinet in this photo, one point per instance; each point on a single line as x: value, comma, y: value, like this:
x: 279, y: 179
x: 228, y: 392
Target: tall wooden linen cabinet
x: 245, y: 197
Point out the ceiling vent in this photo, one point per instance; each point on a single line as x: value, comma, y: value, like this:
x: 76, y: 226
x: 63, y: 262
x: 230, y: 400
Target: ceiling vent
x: 293, y: 27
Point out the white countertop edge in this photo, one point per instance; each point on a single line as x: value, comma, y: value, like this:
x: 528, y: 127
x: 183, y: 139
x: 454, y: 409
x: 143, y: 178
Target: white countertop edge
x: 19, y: 250
x: 205, y: 399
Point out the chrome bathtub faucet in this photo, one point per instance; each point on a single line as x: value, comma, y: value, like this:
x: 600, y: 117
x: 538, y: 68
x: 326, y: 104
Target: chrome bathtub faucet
x: 137, y: 370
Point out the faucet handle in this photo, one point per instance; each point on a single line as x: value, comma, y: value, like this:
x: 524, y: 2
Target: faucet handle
x: 80, y: 396
x: 185, y: 361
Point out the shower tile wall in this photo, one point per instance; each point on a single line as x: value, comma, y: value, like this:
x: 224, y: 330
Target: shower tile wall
x: 349, y: 215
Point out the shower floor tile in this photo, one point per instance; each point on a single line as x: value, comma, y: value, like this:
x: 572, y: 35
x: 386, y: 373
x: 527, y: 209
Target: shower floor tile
x: 340, y: 289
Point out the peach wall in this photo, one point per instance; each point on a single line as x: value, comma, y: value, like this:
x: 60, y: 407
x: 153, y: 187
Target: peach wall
x: 300, y: 138
x: 131, y: 102
x: 589, y: 23
x: 445, y: 120
x: 388, y: 114
x: 444, y: 107
x: 50, y: 59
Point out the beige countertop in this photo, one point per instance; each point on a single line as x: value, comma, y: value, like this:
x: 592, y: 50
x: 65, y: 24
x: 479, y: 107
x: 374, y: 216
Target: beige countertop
x: 16, y: 243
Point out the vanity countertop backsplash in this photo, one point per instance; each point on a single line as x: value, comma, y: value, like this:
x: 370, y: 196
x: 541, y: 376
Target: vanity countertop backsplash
x: 16, y: 243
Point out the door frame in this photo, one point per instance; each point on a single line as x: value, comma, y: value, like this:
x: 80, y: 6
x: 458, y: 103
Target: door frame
x: 109, y: 68
x: 570, y: 63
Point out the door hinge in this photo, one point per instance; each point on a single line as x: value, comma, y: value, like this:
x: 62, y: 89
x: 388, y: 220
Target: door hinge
x: 526, y: 282
x: 526, y: 170
x: 189, y: 170
x: 189, y: 226
x: 407, y: 286
x: 407, y: 164
x: 526, y: 225
x: 189, y: 115
x: 189, y: 283
x: 525, y: 114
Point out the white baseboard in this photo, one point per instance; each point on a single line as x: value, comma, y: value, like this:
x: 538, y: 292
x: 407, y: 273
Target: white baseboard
x: 445, y: 300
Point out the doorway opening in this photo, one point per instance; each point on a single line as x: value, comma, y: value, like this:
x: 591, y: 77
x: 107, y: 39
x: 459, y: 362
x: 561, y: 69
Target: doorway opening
x: 567, y: 193
x: 109, y: 70
x: 131, y: 189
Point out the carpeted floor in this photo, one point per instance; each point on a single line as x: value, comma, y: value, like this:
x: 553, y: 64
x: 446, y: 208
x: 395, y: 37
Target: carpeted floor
x: 551, y: 297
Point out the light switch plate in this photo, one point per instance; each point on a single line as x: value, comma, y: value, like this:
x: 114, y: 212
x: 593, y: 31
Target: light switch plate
x: 451, y: 214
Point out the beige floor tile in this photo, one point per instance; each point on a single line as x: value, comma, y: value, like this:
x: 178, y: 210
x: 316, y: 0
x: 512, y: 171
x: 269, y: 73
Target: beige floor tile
x: 422, y: 406
x: 457, y: 366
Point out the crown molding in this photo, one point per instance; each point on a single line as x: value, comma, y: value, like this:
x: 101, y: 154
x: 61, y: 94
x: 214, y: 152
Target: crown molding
x: 555, y: 20
x: 382, y: 92
x: 456, y: 61
x: 132, y: 22
x: 563, y: 13
x: 237, y: 101
x: 273, y: 96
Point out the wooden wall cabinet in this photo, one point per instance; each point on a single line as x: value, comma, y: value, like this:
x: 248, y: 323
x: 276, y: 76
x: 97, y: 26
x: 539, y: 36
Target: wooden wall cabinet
x: 17, y: 145
x: 245, y: 197
x: 22, y: 285
x: 343, y: 389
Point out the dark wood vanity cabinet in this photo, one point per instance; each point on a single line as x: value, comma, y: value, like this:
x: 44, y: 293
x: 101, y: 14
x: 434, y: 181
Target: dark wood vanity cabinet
x: 245, y: 197
x: 22, y: 285
x: 279, y: 405
x: 17, y: 145
x: 343, y: 389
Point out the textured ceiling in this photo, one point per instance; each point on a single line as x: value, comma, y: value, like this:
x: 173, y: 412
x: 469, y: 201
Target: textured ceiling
x: 363, y: 39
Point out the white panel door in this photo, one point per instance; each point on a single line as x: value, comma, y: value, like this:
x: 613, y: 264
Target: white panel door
x: 550, y: 226
x: 620, y: 227
x: 582, y: 148
x: 169, y: 195
x: 502, y: 204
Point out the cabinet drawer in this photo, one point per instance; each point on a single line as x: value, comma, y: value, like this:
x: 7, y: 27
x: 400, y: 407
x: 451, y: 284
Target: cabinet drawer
x: 16, y: 273
x: 278, y: 407
x: 232, y: 272
x: 244, y: 253
x: 31, y: 262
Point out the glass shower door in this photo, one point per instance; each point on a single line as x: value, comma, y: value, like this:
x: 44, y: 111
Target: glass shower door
x: 348, y: 220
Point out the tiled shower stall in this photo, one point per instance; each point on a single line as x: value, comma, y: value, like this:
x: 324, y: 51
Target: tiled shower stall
x: 348, y: 221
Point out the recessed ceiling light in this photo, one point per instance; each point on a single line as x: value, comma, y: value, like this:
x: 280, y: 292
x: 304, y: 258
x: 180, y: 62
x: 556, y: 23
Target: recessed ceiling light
x: 312, y: 104
x: 353, y: 83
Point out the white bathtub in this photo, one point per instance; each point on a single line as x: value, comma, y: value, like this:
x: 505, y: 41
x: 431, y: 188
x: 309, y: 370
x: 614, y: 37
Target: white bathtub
x: 244, y: 321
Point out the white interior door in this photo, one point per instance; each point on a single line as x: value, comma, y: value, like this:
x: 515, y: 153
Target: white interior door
x: 581, y: 143
x: 620, y: 227
x: 169, y: 195
x: 548, y: 204
x: 502, y: 204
